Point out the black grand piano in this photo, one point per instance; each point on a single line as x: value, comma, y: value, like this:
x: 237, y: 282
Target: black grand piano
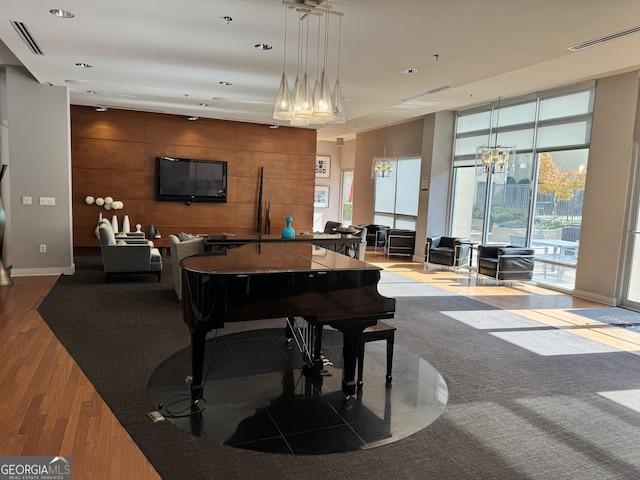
x: 281, y: 280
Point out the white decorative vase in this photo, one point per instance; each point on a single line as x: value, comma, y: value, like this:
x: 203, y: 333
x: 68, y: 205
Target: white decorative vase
x: 114, y: 224
x: 126, y: 226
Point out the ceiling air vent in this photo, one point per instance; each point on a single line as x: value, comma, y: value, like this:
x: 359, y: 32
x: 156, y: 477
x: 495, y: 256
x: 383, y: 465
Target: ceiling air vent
x: 27, y: 37
x: 424, y: 94
x: 606, y: 38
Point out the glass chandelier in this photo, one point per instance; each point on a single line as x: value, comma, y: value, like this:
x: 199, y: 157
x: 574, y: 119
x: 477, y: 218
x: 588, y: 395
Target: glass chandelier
x: 303, y: 106
x: 494, y: 159
x: 383, y: 167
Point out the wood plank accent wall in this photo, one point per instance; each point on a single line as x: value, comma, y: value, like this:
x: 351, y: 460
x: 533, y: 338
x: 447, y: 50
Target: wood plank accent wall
x: 113, y: 154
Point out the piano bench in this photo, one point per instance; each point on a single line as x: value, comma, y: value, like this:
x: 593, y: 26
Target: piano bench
x: 379, y: 331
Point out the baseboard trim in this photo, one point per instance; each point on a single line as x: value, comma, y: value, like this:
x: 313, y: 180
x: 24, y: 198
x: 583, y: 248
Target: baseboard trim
x: 43, y: 272
x: 611, y: 301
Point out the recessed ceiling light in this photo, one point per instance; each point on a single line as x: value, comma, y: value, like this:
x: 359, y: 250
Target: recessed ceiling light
x: 83, y: 65
x: 227, y: 19
x: 192, y: 118
x: 61, y: 13
x: 226, y: 84
x: 93, y: 92
x: 409, y: 71
x: 263, y: 46
x: 101, y: 109
x: 204, y: 104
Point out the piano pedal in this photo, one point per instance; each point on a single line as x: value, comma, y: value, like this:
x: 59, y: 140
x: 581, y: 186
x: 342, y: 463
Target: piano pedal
x: 326, y: 361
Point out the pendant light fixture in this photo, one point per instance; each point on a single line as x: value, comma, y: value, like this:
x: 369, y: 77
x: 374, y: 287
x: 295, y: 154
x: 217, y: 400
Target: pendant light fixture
x: 338, y: 109
x: 495, y: 159
x: 282, y: 110
x: 298, y: 94
x: 383, y: 167
x: 303, y: 100
x: 322, y: 106
x: 302, y: 106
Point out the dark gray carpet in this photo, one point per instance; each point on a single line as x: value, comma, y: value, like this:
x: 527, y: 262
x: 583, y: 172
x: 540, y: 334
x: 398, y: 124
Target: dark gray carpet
x: 514, y: 412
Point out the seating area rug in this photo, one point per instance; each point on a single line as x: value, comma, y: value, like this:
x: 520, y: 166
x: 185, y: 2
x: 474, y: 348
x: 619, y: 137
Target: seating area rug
x: 620, y: 317
x: 526, y: 401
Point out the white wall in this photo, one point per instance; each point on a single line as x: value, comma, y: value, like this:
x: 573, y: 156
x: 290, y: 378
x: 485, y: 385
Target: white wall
x: 36, y: 124
x: 322, y: 215
x: 607, y: 189
x: 440, y: 130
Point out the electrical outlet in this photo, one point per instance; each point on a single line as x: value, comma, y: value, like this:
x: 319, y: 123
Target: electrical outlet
x: 27, y: 200
x: 43, y: 248
x: 155, y: 416
x: 48, y: 201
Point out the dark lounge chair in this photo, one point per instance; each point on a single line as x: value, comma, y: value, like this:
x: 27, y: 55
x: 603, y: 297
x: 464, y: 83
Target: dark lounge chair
x: 505, y: 262
x: 447, y: 251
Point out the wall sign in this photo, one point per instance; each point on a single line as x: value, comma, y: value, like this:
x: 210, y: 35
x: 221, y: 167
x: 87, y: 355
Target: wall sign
x: 323, y: 166
x: 321, y: 197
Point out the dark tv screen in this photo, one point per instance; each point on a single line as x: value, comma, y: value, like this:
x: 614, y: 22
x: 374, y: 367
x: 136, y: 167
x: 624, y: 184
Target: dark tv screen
x: 189, y: 180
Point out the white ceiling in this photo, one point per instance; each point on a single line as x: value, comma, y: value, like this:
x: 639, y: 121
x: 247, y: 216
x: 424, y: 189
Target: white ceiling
x: 148, y: 54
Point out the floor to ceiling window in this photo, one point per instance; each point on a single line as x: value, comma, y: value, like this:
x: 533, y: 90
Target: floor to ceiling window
x: 346, y: 197
x: 396, y: 196
x: 537, y: 200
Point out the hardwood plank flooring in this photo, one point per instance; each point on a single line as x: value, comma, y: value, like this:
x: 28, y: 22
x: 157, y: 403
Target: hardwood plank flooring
x: 49, y: 407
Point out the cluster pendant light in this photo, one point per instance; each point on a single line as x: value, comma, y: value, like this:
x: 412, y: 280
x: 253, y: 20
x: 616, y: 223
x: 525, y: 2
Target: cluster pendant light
x: 494, y: 159
x: 383, y: 167
x: 303, y: 106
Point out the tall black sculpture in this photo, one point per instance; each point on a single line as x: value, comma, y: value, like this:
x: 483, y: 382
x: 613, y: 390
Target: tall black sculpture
x: 5, y: 278
x: 259, y: 223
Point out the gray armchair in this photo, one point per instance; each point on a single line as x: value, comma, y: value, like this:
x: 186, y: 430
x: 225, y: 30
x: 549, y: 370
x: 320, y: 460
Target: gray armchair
x: 362, y: 249
x: 179, y: 250
x: 127, y: 256
x: 447, y: 251
x: 330, y: 226
x: 504, y: 262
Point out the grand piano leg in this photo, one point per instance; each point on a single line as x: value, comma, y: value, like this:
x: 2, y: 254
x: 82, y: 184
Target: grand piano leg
x: 316, y: 358
x: 350, y: 352
x: 351, y: 336
x: 198, y: 340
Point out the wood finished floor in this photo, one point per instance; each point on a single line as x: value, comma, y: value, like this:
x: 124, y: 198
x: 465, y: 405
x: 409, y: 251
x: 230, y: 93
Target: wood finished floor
x: 47, y: 404
x: 49, y: 407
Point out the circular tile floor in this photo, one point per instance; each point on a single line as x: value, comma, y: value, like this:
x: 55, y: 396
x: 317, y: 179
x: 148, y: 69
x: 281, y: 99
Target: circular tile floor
x: 257, y: 396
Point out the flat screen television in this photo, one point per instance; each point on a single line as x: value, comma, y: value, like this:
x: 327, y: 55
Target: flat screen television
x: 188, y: 180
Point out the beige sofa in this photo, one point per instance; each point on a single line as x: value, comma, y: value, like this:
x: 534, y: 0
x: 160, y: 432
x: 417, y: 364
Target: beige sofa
x: 179, y: 250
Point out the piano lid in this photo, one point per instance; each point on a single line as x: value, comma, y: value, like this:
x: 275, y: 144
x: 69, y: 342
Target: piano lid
x: 273, y: 257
